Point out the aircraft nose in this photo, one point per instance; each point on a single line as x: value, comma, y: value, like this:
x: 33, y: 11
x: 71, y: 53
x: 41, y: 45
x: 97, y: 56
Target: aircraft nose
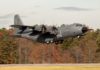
x: 84, y: 29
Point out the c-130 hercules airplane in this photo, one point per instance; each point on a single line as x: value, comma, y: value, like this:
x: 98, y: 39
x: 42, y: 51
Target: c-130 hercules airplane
x: 47, y: 34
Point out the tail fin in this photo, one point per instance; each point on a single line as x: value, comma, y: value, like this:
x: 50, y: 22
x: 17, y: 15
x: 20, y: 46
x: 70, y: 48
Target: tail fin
x: 17, y: 21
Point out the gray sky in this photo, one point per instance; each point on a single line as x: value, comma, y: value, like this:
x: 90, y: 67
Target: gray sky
x: 51, y: 12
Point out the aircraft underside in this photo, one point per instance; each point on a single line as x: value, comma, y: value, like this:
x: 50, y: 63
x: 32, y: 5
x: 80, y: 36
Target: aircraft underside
x: 43, y: 38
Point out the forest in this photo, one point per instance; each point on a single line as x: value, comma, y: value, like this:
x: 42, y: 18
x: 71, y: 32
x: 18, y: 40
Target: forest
x: 85, y: 49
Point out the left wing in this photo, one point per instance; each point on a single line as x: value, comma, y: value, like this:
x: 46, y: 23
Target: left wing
x: 22, y: 28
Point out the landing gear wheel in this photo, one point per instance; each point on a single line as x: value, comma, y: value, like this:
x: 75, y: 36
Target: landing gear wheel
x: 51, y: 41
x: 47, y: 42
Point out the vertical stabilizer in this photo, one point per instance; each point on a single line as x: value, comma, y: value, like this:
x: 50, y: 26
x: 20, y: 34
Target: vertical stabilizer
x: 17, y: 21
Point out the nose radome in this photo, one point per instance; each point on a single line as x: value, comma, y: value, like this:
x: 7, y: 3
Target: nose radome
x: 84, y: 29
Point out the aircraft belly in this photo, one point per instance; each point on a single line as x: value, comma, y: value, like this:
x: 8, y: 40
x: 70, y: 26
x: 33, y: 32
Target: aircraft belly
x: 30, y: 37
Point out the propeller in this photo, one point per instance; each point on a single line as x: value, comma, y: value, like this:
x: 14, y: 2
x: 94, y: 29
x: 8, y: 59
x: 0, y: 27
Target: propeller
x: 55, y: 30
x: 43, y: 29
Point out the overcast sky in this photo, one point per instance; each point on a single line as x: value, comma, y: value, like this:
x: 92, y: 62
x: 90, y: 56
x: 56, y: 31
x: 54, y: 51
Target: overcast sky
x: 51, y: 12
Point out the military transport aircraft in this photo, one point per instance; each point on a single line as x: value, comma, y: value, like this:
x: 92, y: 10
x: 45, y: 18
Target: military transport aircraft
x: 47, y: 34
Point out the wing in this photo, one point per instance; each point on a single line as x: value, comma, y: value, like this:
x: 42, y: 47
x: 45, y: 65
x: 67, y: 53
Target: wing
x: 22, y: 28
x: 37, y: 29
